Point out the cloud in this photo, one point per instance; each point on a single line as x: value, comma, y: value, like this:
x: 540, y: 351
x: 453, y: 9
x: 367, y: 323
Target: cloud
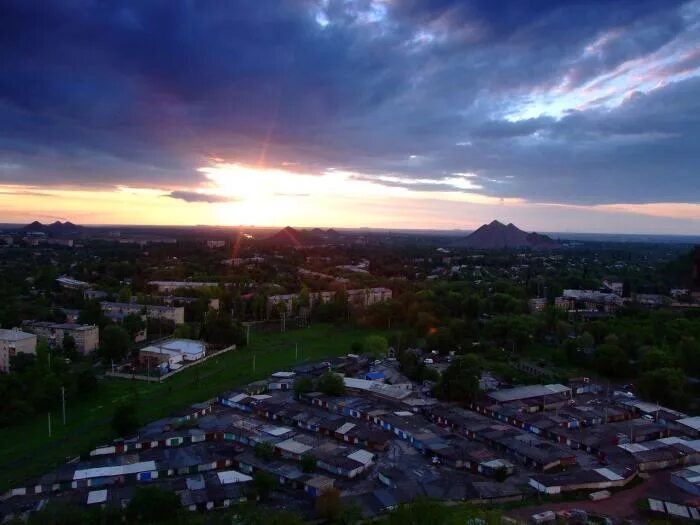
x: 537, y: 89
x: 193, y: 196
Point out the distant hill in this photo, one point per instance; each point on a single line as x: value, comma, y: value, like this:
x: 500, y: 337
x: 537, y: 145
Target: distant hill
x: 55, y: 228
x: 497, y: 235
x: 291, y: 237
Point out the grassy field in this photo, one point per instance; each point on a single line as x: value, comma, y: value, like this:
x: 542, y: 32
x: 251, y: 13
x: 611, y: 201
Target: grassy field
x: 27, y: 451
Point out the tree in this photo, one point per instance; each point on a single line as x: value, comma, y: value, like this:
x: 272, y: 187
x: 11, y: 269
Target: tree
x: 59, y: 513
x: 68, y: 345
x: 183, y: 331
x: 264, y: 451
x: 500, y: 474
x: 689, y: 355
x: 410, y: 364
x: 611, y: 360
x: 153, y: 505
x: 133, y: 324
x: 124, y: 295
x: 86, y: 382
x: 664, y: 385
x: 329, y: 505
x: 422, y: 511
x: 304, y: 297
x: 219, y: 329
x: 125, y: 420
x: 263, y: 483
x: 308, y: 463
x: 115, y: 343
x: 376, y: 346
x: 303, y: 385
x: 460, y: 382
x: 351, y: 513
x: 331, y: 384
x: 654, y: 358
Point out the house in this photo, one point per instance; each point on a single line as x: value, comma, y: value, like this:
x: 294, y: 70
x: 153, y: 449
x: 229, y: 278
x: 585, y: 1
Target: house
x: 13, y: 342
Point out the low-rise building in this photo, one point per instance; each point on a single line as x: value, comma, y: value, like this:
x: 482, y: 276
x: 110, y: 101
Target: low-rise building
x: 86, y: 337
x: 71, y: 284
x: 172, y: 353
x: 688, y: 479
x: 170, y: 286
x: 117, y: 311
x: 13, y: 342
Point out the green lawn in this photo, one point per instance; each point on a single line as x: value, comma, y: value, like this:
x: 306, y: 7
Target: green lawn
x: 27, y: 451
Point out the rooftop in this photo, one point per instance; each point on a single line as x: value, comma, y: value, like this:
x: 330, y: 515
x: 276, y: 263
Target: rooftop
x: 14, y: 335
x: 527, y: 392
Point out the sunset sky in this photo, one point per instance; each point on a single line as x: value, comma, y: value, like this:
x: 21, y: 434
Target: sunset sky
x: 558, y: 116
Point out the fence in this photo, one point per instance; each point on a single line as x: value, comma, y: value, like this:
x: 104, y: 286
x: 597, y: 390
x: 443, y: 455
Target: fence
x: 160, y: 378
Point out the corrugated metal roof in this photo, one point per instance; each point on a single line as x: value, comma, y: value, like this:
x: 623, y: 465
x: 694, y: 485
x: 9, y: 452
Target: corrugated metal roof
x: 691, y: 422
x: 232, y: 476
x: 275, y: 431
x: 362, y: 456
x: 119, y: 470
x: 609, y: 474
x: 345, y: 428
x: 293, y: 446
x: 96, y: 496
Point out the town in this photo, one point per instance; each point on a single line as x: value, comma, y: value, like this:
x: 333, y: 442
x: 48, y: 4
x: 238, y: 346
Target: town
x: 348, y: 376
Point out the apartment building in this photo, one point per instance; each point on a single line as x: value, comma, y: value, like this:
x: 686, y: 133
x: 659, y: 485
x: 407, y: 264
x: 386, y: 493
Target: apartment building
x: 13, y: 342
x: 117, y: 311
x: 86, y: 337
x: 361, y: 298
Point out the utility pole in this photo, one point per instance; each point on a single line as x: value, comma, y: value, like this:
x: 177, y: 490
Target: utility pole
x: 247, y: 334
x: 296, y: 351
x: 49, y: 424
x: 63, y: 402
x: 253, y: 363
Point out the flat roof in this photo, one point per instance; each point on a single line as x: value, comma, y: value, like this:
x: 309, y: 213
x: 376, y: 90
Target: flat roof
x: 232, y: 476
x: 527, y: 392
x: 345, y: 428
x: 362, y: 456
x: 119, y: 470
x: 186, y: 346
x: 293, y: 446
x: 96, y: 496
x: 15, y: 335
x: 283, y: 375
x: 691, y: 422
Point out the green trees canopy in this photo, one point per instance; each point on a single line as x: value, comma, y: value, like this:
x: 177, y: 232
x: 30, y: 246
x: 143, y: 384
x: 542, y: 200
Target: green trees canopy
x: 331, y: 384
x: 460, y: 382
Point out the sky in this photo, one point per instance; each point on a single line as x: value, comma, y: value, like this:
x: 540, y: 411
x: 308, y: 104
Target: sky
x: 577, y: 116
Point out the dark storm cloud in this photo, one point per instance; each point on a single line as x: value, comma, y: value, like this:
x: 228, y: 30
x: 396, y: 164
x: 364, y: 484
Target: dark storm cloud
x: 143, y: 92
